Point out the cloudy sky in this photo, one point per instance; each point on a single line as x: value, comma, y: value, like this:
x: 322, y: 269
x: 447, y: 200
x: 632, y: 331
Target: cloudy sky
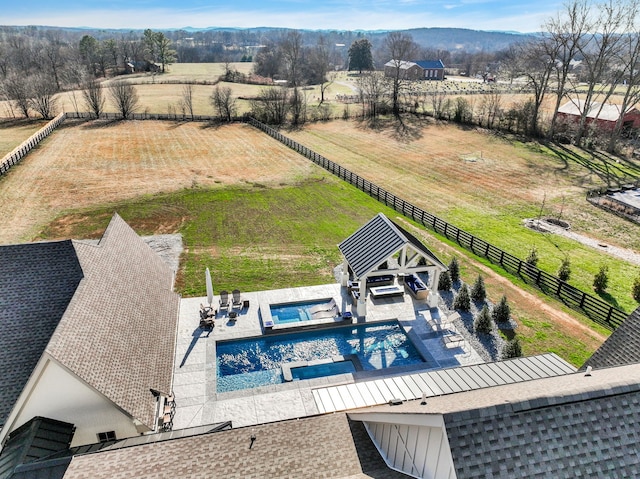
x: 505, y: 15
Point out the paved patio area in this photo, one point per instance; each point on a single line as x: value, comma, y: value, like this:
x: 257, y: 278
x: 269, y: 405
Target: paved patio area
x: 198, y: 402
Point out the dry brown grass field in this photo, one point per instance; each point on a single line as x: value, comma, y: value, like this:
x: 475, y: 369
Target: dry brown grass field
x: 82, y: 165
x: 14, y: 132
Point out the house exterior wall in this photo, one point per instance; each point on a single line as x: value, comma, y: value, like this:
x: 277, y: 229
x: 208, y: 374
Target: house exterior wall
x: 57, y: 394
x: 417, y: 450
x: 433, y: 74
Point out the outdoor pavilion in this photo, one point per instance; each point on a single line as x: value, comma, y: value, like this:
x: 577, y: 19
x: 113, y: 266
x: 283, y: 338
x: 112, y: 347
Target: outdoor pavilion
x: 381, y: 247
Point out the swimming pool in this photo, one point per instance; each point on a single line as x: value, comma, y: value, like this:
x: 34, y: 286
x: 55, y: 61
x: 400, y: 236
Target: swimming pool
x: 294, y: 312
x: 250, y: 363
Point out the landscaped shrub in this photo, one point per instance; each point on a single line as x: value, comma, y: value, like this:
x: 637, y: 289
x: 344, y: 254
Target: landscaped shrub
x: 478, y: 291
x: 444, y: 283
x: 483, y: 322
x: 511, y: 349
x: 564, y: 272
x: 463, y: 300
x: 454, y: 270
x: 601, y: 279
x: 532, y: 259
x: 501, y: 311
x: 635, y: 289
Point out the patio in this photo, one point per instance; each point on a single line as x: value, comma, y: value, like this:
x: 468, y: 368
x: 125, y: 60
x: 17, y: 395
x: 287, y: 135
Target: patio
x: 198, y: 402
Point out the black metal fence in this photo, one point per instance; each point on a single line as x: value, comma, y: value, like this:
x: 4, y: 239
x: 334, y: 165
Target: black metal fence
x: 25, y: 147
x: 593, y: 307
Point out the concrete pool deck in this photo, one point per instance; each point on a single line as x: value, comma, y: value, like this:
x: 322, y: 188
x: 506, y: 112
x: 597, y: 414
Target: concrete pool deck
x: 198, y: 402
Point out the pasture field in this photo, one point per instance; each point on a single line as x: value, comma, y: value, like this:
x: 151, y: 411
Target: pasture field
x: 14, y: 132
x: 86, y: 164
x: 488, y: 185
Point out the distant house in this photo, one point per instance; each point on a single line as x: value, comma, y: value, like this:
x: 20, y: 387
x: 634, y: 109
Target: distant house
x: 418, y: 70
x: 605, y: 116
x: 87, y: 336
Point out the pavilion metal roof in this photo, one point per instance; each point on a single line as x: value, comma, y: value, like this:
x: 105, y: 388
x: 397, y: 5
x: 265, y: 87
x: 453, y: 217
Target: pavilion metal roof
x: 375, y: 242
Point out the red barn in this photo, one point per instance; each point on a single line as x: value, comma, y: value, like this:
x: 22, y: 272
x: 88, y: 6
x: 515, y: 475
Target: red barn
x: 605, y: 115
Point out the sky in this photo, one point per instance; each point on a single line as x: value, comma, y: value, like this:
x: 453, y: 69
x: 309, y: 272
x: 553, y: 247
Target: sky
x: 501, y: 15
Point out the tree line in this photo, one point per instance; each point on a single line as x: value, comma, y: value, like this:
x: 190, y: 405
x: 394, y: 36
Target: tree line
x: 37, y: 64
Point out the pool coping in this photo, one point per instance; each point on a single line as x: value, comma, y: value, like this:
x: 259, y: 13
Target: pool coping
x: 269, y: 326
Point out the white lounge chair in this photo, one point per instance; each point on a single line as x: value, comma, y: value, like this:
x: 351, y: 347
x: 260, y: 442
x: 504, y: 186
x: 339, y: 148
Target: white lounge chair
x: 323, y: 307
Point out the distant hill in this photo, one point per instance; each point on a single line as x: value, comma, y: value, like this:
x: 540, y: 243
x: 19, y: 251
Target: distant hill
x: 452, y: 39
x: 449, y: 39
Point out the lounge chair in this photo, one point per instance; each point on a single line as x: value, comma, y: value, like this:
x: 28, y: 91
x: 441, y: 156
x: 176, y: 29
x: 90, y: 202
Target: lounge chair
x: 323, y: 307
x: 237, y: 301
x: 224, y: 299
x: 331, y: 313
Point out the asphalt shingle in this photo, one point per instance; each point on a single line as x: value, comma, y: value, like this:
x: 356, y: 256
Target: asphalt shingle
x: 37, y: 282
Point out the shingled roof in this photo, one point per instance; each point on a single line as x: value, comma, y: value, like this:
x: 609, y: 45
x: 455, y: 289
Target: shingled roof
x: 587, y: 435
x: 376, y: 241
x: 37, y: 283
x: 321, y: 446
x: 118, y: 331
x: 622, y: 347
x: 567, y: 426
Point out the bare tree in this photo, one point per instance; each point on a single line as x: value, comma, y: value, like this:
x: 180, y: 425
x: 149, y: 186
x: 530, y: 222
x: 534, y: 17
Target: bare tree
x: 629, y: 61
x: 271, y: 106
x: 16, y: 90
x: 319, y: 65
x: 602, y: 47
x: 535, y: 61
x: 43, y: 92
x: 401, y: 48
x: 94, y: 97
x: 291, y: 48
x: 223, y: 103
x: 187, y: 99
x: 373, y: 89
x: 124, y: 97
x: 438, y: 102
x: 298, y: 107
x: 568, y: 32
x: 490, y: 106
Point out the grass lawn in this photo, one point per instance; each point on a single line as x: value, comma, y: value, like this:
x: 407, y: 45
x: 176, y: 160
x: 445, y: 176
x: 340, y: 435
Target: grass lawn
x: 488, y: 185
x: 14, y: 132
x: 255, y: 238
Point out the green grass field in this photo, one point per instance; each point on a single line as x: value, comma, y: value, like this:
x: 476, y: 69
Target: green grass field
x: 256, y: 238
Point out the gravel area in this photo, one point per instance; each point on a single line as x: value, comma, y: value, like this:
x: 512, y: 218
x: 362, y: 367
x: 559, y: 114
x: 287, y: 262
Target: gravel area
x: 488, y: 345
x: 168, y: 247
x: 546, y: 227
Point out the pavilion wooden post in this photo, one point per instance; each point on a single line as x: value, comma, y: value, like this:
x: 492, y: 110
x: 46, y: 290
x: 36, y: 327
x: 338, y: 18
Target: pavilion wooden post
x: 362, y: 299
x: 344, y: 278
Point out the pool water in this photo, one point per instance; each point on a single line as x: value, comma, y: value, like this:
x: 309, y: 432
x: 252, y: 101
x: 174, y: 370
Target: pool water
x: 250, y: 363
x: 322, y: 370
x: 294, y: 312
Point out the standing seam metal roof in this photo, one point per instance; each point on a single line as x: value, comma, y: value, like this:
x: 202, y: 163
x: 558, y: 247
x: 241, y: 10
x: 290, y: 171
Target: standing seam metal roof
x: 375, y: 242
